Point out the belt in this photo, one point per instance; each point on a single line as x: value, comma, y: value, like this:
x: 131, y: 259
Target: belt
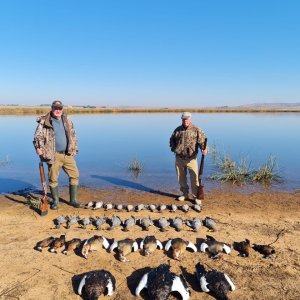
x: 61, y: 152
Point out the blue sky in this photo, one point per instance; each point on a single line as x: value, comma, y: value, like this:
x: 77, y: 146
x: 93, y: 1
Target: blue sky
x: 149, y: 53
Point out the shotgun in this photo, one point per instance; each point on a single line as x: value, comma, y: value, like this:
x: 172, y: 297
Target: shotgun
x: 43, y: 205
x: 200, y: 194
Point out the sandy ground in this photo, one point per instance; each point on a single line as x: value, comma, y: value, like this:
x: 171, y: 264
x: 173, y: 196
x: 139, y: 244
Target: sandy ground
x: 260, y: 217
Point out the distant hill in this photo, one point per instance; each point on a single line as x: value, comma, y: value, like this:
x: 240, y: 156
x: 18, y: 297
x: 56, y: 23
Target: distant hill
x: 270, y: 105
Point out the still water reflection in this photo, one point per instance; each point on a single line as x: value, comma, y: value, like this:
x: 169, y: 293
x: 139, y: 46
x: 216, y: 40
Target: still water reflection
x: 109, y: 142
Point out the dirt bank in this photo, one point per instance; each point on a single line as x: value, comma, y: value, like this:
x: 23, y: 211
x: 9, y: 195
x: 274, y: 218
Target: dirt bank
x: 29, y: 274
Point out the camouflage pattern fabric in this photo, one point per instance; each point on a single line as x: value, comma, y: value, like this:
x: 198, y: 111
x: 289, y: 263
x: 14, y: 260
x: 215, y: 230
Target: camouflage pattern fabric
x: 44, y: 137
x: 185, y: 142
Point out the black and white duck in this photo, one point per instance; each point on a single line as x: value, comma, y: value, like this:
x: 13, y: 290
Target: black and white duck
x: 160, y: 282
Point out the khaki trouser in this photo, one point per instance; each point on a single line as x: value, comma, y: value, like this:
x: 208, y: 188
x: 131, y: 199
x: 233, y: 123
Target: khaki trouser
x: 68, y: 164
x: 182, y: 165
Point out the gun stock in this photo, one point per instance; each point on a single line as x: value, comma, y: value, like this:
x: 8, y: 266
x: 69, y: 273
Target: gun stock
x: 44, y: 204
x: 200, y: 194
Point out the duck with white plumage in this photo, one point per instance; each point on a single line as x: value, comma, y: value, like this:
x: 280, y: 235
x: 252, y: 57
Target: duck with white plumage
x: 97, y: 283
x: 160, y: 282
x: 178, y: 247
x: 216, y: 283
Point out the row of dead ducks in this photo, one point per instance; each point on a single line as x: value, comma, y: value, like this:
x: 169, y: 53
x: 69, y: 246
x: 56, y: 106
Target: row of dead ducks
x: 160, y: 282
x: 148, y: 245
x: 145, y: 223
x: 136, y: 208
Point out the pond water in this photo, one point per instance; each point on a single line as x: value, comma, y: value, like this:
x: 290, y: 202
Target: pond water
x: 108, y: 143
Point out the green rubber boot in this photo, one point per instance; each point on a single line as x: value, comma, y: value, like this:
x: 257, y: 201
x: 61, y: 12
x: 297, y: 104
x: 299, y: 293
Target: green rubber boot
x: 73, y: 196
x: 55, y: 197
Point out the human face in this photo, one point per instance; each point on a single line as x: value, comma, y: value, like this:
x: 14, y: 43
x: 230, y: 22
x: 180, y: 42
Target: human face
x: 186, y: 122
x: 57, y: 112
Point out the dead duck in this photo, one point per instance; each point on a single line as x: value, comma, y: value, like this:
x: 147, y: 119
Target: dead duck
x: 214, y: 248
x: 243, y: 248
x: 85, y: 222
x: 216, y: 283
x: 72, y: 221
x: 71, y: 245
x: 129, y: 207
x: 177, y: 223
x: 162, y: 207
x: 149, y: 244
x: 118, y: 207
x: 197, y: 207
x: 178, y: 246
x: 124, y: 247
x: 185, y: 208
x: 115, y: 221
x: 57, y: 243
x: 44, y: 243
x: 163, y: 223
x: 99, y: 221
x: 94, y: 243
x: 195, y: 224
x: 210, y: 223
x: 146, y: 223
x: 108, y: 206
x: 140, y: 207
x: 129, y: 223
x: 96, y: 283
x: 266, y: 250
x: 90, y: 204
x: 98, y: 205
x: 152, y: 207
x: 160, y: 282
x: 173, y: 207
x: 60, y: 220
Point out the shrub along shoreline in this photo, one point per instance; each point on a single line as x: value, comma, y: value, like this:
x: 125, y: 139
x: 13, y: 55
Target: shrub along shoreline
x: 39, y: 110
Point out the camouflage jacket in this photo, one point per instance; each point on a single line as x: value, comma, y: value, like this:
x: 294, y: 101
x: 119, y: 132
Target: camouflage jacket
x: 44, y: 137
x: 185, y: 142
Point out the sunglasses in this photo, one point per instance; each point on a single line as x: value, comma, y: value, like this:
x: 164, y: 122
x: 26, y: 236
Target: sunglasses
x: 57, y: 108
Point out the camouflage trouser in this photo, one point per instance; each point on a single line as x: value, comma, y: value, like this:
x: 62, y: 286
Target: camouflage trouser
x: 182, y: 165
x: 68, y: 164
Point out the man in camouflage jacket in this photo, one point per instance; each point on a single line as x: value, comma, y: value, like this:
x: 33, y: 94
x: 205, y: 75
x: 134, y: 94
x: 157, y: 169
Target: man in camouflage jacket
x: 55, y: 141
x: 184, y: 142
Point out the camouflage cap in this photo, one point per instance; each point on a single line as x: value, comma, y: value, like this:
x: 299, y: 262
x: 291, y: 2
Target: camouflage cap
x: 186, y: 115
x: 57, y: 103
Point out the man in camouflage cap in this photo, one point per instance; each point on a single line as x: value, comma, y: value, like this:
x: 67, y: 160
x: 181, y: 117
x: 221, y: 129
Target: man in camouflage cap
x: 184, y: 142
x: 55, y: 141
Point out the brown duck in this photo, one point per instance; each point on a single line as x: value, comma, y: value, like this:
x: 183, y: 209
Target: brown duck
x: 178, y: 246
x: 266, y: 250
x: 44, y: 243
x: 244, y: 248
x: 214, y: 248
x: 57, y: 243
x: 149, y: 244
x: 71, y: 245
x: 94, y: 243
x: 124, y: 247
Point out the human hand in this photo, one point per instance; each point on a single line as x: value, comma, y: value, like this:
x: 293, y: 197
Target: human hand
x: 39, y: 151
x: 205, y: 151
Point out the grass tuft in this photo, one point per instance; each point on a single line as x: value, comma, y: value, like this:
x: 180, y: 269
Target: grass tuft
x: 136, y: 167
x: 232, y: 171
x: 267, y: 173
x: 228, y: 170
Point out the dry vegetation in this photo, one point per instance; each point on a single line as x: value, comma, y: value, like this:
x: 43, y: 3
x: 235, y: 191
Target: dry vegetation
x: 39, y: 110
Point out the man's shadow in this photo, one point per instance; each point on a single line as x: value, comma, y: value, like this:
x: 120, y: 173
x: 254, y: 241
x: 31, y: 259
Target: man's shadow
x: 132, y: 185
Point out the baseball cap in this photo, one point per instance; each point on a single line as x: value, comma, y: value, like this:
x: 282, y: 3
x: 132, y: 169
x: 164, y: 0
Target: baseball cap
x: 186, y: 115
x: 57, y: 103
